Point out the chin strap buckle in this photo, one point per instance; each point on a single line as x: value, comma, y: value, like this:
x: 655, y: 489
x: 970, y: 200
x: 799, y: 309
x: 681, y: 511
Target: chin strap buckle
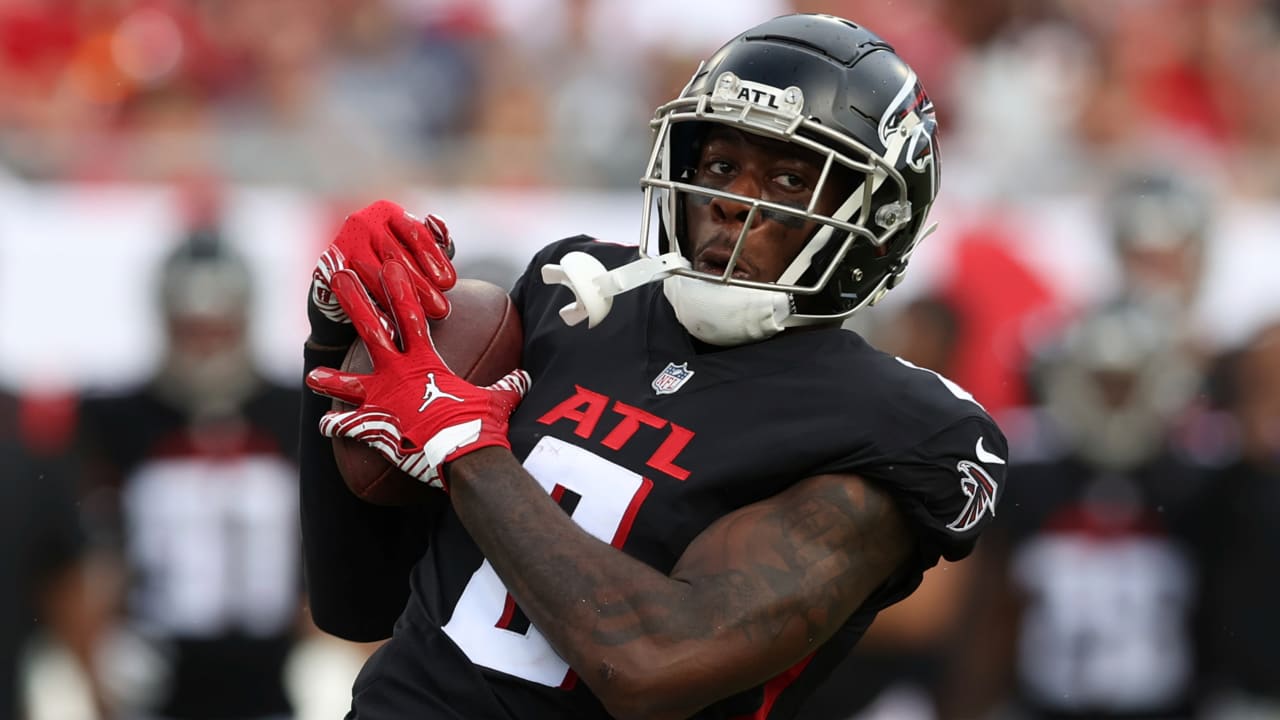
x: 593, y: 286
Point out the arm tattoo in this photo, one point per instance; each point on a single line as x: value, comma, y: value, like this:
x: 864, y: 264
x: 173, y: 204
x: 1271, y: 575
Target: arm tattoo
x: 817, y: 548
x: 781, y: 575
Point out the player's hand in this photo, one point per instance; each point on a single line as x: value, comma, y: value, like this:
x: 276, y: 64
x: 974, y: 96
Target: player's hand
x: 413, y: 409
x: 367, y: 239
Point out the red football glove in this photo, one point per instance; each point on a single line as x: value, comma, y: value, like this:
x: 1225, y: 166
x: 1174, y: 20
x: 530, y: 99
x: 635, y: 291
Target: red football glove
x: 413, y: 409
x: 368, y: 238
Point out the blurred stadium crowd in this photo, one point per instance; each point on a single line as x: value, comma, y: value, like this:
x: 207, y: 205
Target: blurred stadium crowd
x: 1035, y: 92
x: 1131, y: 570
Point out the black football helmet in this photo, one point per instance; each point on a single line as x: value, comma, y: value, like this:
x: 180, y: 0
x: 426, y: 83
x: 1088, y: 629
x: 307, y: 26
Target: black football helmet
x: 834, y: 88
x: 1155, y: 208
x: 1115, y: 381
x: 205, y: 293
x: 204, y: 276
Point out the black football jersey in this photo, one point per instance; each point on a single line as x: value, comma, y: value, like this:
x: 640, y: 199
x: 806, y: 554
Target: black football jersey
x: 207, y: 522
x: 645, y: 440
x: 1124, y: 648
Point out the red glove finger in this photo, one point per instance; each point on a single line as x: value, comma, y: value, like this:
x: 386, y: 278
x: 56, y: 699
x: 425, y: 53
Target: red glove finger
x: 347, y: 387
x: 432, y: 254
x: 407, y: 311
x: 430, y: 293
x: 434, y: 302
x: 442, y: 253
x: 371, y: 325
x: 429, y: 245
x: 366, y: 270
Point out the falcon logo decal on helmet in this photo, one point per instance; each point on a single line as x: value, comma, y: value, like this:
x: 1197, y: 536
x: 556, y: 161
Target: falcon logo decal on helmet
x: 911, y: 115
x: 980, y: 487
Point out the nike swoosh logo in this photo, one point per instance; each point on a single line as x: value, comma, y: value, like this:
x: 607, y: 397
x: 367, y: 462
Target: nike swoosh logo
x: 986, y: 457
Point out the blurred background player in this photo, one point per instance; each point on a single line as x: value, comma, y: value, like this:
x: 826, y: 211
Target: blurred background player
x: 1090, y: 608
x: 195, y: 475
x: 47, y: 566
x: 1235, y: 522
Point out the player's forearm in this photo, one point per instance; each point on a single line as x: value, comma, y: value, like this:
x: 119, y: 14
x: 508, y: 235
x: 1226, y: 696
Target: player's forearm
x: 618, y: 622
x: 355, y: 567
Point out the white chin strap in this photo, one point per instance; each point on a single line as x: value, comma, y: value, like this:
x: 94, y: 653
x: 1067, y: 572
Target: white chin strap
x: 726, y: 314
x: 713, y: 313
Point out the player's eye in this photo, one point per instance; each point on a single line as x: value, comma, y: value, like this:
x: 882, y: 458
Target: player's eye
x: 719, y: 167
x: 791, y: 181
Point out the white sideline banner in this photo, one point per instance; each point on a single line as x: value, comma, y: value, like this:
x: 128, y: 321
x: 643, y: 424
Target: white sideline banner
x: 77, y: 262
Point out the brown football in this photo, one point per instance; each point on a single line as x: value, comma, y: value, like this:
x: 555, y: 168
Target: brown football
x: 481, y: 341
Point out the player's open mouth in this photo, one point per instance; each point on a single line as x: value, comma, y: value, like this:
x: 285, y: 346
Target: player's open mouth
x: 714, y: 263
x: 718, y: 269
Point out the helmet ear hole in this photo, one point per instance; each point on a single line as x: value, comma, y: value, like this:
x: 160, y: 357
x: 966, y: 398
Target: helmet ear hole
x: 686, y: 145
x: 684, y: 141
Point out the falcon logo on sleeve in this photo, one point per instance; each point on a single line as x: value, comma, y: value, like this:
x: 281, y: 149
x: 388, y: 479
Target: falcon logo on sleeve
x: 978, y: 485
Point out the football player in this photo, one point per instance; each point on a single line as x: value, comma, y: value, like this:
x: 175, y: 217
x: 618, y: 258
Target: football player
x: 709, y: 489
x: 1108, y: 487
x: 194, y: 472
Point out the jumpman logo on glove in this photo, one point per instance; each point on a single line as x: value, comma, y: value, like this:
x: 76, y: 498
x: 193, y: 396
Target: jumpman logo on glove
x: 433, y: 393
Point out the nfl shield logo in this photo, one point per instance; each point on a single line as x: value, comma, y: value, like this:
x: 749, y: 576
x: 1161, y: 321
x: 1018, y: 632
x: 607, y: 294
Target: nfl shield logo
x: 672, y: 378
